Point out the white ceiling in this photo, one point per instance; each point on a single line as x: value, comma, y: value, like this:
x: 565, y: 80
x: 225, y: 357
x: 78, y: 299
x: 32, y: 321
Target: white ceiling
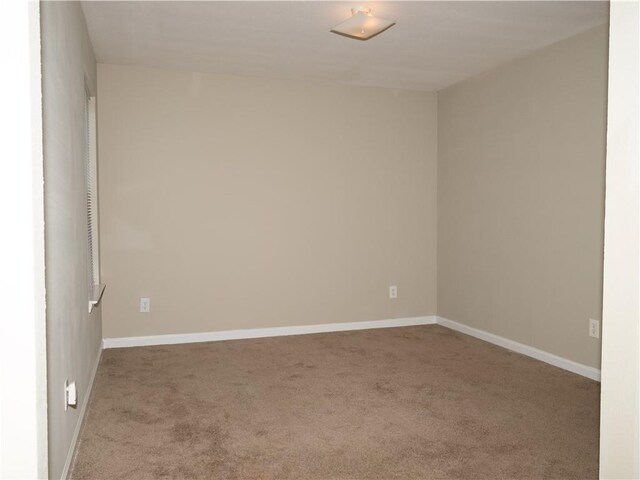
x: 433, y: 44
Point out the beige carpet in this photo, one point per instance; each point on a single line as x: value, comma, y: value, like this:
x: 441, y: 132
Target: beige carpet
x: 415, y: 402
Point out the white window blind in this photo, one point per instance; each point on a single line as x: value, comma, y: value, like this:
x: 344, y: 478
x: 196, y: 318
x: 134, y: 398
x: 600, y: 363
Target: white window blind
x: 93, y: 274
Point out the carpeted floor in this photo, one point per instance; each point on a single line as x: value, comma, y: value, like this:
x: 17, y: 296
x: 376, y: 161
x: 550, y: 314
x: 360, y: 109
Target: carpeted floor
x: 411, y: 403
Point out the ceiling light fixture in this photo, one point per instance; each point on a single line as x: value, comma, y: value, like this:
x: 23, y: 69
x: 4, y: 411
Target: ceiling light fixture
x: 362, y: 25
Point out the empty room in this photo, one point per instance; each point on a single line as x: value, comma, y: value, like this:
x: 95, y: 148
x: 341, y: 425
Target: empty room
x: 330, y: 240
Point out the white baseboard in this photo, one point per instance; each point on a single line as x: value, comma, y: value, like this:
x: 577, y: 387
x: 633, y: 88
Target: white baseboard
x: 550, y: 358
x: 575, y: 367
x: 263, y: 332
x: 81, y: 414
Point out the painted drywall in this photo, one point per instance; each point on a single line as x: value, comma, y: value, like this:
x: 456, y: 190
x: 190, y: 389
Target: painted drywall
x: 73, y: 336
x: 619, y: 443
x: 23, y: 385
x: 435, y: 43
x: 521, y: 157
x: 237, y: 202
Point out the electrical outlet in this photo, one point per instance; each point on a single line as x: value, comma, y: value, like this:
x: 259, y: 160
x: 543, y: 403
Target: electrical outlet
x: 70, y: 395
x: 594, y: 328
x: 145, y: 305
x: 393, y: 291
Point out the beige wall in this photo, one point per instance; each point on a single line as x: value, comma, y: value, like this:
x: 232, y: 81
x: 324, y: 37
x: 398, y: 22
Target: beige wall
x: 239, y: 202
x: 521, y: 198
x: 73, y: 336
x: 620, y: 416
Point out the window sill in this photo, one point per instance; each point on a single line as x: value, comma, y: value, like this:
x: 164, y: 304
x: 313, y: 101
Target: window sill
x: 95, y: 294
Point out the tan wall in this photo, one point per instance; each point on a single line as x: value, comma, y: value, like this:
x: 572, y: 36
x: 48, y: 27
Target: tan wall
x: 73, y: 336
x: 243, y: 202
x: 521, y: 198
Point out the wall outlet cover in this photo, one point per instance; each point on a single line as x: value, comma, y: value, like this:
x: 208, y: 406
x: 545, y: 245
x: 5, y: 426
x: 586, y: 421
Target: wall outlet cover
x: 594, y: 328
x: 145, y: 305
